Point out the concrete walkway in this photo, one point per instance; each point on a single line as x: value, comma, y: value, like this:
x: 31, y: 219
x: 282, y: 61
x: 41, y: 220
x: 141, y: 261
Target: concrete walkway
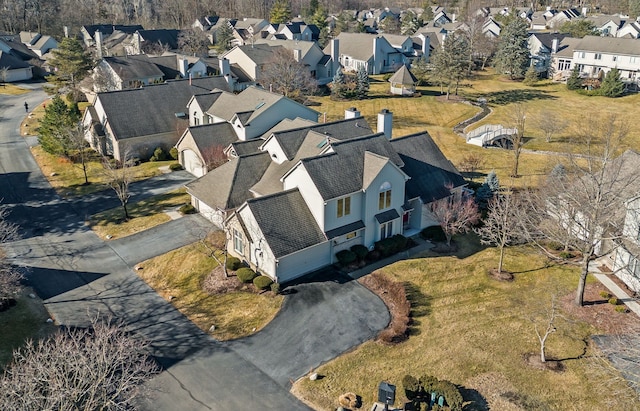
x: 421, y: 247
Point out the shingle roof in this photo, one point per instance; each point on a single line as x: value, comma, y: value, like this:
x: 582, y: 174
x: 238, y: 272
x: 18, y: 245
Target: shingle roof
x: 164, y: 36
x: 609, y: 45
x: 151, y: 109
x: 243, y: 148
x: 259, y: 53
x: 210, y: 135
x: 386, y: 216
x: 227, y: 186
x: 7, y: 60
x: 345, y: 229
x: 107, y: 29
x: 355, y: 45
x: 547, y: 38
x: 251, y: 99
x: 567, y: 46
x: 286, y: 222
x: 429, y: 169
x: 133, y: 67
x: 403, y: 76
x: 41, y: 41
x: 348, y: 159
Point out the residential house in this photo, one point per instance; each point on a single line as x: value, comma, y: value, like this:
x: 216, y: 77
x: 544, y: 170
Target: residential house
x: 88, y: 32
x: 631, y: 29
x: 539, y: 20
x: 371, y: 51
x: 607, y: 25
x: 542, y: 46
x: 562, y: 17
x: 136, y: 121
x: 205, y: 23
x: 119, y: 73
x: 595, y: 56
x: 295, y: 31
x: 153, y: 41
x: 13, y: 69
x: 247, y: 30
x: 232, y: 117
x: 626, y: 262
x: 38, y: 43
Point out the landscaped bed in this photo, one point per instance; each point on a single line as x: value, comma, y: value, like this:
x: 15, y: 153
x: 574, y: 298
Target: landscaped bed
x: 237, y: 311
x: 476, y: 332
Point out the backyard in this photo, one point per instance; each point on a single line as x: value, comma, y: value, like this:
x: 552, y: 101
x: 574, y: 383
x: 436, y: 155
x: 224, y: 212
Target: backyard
x: 476, y: 332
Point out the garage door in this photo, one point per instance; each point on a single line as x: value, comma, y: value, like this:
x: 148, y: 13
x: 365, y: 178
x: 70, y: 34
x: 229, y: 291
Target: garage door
x: 192, y: 163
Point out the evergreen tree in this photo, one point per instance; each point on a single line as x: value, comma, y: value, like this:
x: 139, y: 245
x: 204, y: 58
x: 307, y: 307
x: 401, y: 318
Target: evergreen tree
x: 338, y: 85
x: 492, y: 181
x: 55, y: 127
x: 362, y: 83
x: 512, y: 57
x: 612, y: 86
x: 319, y: 18
x: 223, y: 37
x: 281, y: 12
x: 531, y: 76
x: 488, y: 189
x: 427, y: 13
x: 574, y: 82
x: 451, y: 62
x: 72, y: 64
x: 410, y: 23
x: 634, y: 8
x: 558, y: 172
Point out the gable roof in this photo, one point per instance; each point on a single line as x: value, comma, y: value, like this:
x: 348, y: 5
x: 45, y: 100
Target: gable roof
x: 567, y: 46
x: 258, y: 53
x: 247, y: 105
x: 286, y: 222
x: 151, y: 109
x: 429, y: 169
x: 107, y: 29
x: 13, y: 63
x: 358, y: 45
x: 617, y: 45
x: 133, y: 67
x: 164, y: 36
x: 546, y: 39
x: 243, y: 148
x: 403, y: 76
x: 228, y: 186
x: 210, y: 135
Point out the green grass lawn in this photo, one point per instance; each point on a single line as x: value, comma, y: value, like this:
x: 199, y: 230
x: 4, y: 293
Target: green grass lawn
x: 68, y: 178
x: 143, y: 215
x: 180, y: 274
x: 27, y: 320
x: 474, y: 331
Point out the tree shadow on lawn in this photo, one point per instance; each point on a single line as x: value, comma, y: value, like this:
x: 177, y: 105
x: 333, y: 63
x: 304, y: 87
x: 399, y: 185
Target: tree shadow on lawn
x: 420, y: 307
x: 504, y: 97
x: 474, y: 400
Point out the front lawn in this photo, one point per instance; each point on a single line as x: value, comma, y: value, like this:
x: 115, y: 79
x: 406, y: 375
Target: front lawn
x: 68, y: 179
x: 143, y: 215
x: 475, y: 332
x: 178, y: 277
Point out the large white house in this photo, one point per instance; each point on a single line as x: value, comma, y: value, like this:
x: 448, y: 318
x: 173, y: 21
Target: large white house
x: 626, y: 263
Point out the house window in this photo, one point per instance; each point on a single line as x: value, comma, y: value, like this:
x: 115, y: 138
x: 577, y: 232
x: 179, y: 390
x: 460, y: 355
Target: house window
x: 344, y: 206
x: 196, y: 120
x: 351, y: 235
x: 582, y: 55
x: 632, y: 59
x: 614, y: 58
x: 598, y: 56
x: 386, y: 230
x: 384, y: 199
x: 238, y: 245
x: 564, y: 64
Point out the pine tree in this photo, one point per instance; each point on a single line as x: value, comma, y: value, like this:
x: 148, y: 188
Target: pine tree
x: 512, y: 57
x: 492, y: 181
x: 72, y: 64
x: 451, y: 62
x: 362, y: 83
x: 338, y: 85
x: 55, y: 126
x: 409, y: 23
x: 281, y: 12
x: 223, y: 36
x: 574, y: 82
x: 531, y: 76
x: 612, y: 86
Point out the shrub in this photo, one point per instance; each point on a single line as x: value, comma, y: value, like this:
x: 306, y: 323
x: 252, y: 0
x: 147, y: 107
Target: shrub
x: 411, y: 387
x: 566, y: 255
x: 360, y: 251
x: 346, y: 257
x: 175, y: 167
x: 613, y: 301
x: 433, y: 233
x: 621, y: 309
x: 554, y: 245
x: 173, y: 153
x: 605, y: 295
x: 233, y: 263
x: 262, y: 282
x: 187, y: 209
x: 349, y: 400
x: 246, y: 275
x: 275, y: 288
x: 158, y: 155
x: 391, y: 245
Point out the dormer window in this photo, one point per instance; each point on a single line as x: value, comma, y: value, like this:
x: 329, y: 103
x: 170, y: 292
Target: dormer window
x: 384, y: 198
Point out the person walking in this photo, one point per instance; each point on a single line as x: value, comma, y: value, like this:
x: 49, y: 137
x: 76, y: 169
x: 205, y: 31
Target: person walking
x: 26, y: 107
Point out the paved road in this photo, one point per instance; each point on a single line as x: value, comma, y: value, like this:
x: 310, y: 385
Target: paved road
x: 77, y: 275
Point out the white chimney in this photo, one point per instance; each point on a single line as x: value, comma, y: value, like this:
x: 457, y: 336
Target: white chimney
x: 376, y: 53
x: 385, y: 120
x: 225, y: 70
x: 335, y: 54
x: 584, y: 11
x: 554, y: 46
x: 426, y: 46
x: 297, y: 55
x: 66, y: 31
x: 98, y: 38
x: 351, y: 112
x: 183, y: 66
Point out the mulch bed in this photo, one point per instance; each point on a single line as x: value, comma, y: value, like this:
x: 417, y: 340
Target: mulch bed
x: 501, y: 276
x: 533, y: 360
x: 598, y: 312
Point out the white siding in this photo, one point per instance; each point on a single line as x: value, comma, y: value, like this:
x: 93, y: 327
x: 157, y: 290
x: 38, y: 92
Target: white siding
x: 275, y: 151
x: 303, y: 262
x: 331, y: 219
x: 215, y: 216
x: 300, y: 178
x: 192, y: 163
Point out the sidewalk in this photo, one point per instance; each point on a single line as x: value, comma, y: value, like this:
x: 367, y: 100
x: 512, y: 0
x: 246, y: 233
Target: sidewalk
x: 618, y: 292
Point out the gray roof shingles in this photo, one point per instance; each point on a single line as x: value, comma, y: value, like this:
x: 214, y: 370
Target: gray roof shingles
x: 286, y: 222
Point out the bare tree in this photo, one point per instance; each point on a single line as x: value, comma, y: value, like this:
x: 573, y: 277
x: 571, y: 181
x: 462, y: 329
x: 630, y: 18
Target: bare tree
x: 471, y: 163
x: 551, y: 123
x: 101, y: 368
x: 9, y: 276
x: 455, y: 215
x: 544, y: 325
x: 518, y: 117
x: 584, y: 209
x: 287, y: 74
x: 502, y: 226
x: 193, y: 42
x: 118, y: 177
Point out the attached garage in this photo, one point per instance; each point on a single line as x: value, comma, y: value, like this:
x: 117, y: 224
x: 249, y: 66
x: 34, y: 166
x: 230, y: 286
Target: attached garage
x: 191, y: 162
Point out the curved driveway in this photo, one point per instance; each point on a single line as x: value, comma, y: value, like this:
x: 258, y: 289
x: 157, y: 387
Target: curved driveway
x: 78, y: 274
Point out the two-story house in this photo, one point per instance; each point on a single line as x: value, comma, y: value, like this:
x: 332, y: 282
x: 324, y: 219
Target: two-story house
x: 595, y: 56
x: 626, y: 263
x: 373, y: 52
